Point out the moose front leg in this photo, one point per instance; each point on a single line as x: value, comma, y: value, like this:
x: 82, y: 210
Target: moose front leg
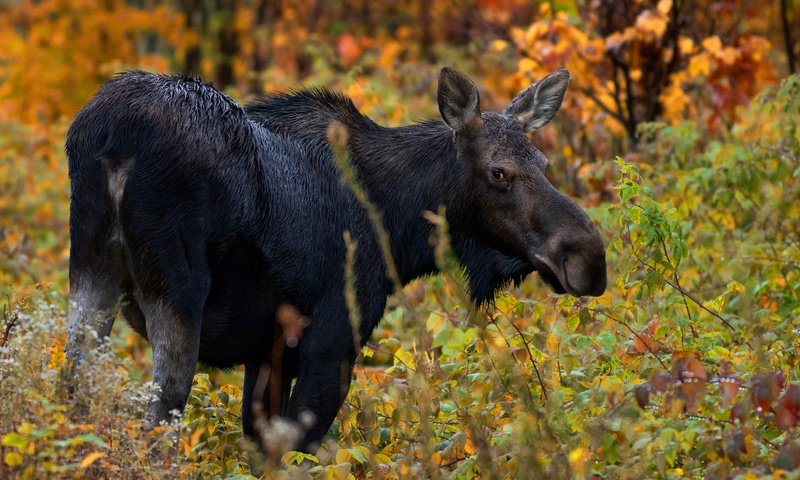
x: 318, y: 395
x: 325, y: 363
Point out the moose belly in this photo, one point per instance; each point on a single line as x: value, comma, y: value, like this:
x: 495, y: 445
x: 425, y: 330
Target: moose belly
x: 238, y: 318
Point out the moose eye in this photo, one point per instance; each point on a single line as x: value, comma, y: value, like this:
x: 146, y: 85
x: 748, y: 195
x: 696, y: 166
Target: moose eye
x: 500, y: 179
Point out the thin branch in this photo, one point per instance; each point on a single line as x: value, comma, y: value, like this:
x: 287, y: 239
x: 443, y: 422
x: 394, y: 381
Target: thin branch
x: 678, y: 283
x: 494, y: 367
x: 530, y: 355
x: 684, y: 292
x: 452, y: 462
x: 636, y: 334
x: 616, y: 115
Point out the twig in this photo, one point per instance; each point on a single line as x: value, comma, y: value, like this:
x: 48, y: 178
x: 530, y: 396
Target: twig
x: 684, y: 292
x: 530, y: 355
x: 636, y: 334
x: 452, y: 462
x: 494, y: 367
x: 530, y: 395
x: 10, y: 321
x: 677, y: 282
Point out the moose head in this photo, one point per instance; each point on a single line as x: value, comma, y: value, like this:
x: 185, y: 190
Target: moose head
x: 504, y: 197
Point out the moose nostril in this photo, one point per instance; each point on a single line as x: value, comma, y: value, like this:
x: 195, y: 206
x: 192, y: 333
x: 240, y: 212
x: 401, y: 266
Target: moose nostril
x: 584, y: 264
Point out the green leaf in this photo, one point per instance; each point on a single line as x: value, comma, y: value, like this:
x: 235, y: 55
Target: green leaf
x: 572, y: 322
x: 14, y: 439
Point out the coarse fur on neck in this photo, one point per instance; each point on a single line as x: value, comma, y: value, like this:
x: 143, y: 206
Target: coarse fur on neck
x: 406, y: 171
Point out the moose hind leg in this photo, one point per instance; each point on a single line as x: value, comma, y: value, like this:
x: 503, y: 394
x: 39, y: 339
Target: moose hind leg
x: 92, y: 308
x: 175, y: 339
x: 171, y: 290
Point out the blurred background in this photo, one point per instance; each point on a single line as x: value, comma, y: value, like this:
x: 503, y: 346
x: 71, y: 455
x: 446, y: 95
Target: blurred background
x: 632, y: 61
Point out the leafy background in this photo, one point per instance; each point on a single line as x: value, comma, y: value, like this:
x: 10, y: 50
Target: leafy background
x: 680, y: 134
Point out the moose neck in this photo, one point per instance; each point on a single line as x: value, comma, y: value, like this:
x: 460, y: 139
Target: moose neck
x: 408, y: 171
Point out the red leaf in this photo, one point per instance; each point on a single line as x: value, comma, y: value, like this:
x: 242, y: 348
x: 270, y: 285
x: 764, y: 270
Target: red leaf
x: 661, y: 381
x: 691, y: 375
x: 764, y: 391
x: 642, y: 394
x: 739, y: 411
x: 787, y: 412
x: 728, y: 383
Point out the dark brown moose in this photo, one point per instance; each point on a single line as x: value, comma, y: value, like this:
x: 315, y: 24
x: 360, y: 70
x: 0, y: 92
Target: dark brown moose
x: 205, y: 219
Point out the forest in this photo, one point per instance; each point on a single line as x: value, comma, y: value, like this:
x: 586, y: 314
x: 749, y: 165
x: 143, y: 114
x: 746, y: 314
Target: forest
x: 679, y: 135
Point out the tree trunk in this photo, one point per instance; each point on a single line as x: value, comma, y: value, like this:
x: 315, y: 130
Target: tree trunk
x: 787, y: 37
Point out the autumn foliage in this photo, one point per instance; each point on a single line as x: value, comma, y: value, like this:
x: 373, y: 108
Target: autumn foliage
x: 680, y: 133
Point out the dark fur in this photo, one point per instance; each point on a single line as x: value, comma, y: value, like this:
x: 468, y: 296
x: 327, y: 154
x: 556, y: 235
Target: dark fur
x: 218, y: 221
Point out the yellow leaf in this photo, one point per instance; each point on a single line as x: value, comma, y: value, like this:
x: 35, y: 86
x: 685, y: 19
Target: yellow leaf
x: 686, y: 45
x: 651, y: 23
x: 728, y: 55
x: 712, y: 44
x: 435, y: 322
x: 526, y: 65
x: 13, y: 459
x: 498, y: 46
x: 469, y: 447
x: 552, y: 343
x: 91, y: 458
x: 57, y: 354
x: 578, y: 457
x: 506, y: 302
x: 699, y: 65
x: 341, y: 471
x: 342, y: 456
x: 664, y: 7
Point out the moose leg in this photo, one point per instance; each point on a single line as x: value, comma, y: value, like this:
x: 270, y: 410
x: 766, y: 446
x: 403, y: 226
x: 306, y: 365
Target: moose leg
x: 175, y: 338
x: 254, y: 391
x: 268, y: 387
x: 171, y: 291
x: 317, y: 397
x: 326, y: 360
x: 92, y: 307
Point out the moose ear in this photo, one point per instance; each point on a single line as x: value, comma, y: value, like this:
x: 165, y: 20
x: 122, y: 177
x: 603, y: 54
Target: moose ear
x: 535, y: 106
x: 459, y: 101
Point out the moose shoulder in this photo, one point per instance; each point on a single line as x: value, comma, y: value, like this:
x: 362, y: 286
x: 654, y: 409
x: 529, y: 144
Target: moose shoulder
x: 208, y: 225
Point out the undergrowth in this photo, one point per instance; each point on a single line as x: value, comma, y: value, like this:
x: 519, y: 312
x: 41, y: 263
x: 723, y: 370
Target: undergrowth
x: 686, y: 368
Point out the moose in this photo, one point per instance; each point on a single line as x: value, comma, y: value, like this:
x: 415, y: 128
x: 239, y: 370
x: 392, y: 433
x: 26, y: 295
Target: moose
x: 202, y: 219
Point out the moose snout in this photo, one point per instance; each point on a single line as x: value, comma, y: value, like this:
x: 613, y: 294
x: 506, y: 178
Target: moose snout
x: 585, y: 269
x: 577, y: 260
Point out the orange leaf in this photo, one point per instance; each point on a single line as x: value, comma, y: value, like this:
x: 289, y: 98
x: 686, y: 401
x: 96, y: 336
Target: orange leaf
x: 348, y: 49
x: 90, y: 459
x: 651, y: 23
x: 712, y: 44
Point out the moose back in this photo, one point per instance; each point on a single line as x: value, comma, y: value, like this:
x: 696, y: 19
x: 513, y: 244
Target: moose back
x: 205, y: 221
